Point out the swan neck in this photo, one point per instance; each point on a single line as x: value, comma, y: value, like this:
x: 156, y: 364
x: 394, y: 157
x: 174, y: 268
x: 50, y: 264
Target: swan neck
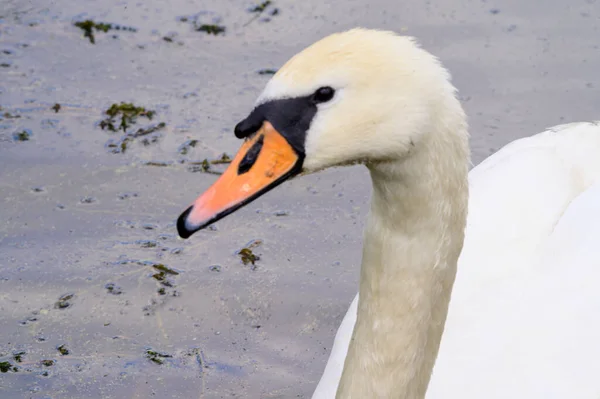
x: 413, y: 237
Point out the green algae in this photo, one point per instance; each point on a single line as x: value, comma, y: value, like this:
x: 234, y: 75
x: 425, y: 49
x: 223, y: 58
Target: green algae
x: 89, y: 26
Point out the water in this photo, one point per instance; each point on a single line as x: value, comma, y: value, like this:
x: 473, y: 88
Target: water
x: 84, y: 222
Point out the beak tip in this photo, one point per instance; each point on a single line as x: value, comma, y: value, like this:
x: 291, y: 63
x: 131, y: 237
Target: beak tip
x: 182, y: 227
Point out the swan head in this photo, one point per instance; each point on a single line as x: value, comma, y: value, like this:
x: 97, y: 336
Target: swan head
x: 361, y: 96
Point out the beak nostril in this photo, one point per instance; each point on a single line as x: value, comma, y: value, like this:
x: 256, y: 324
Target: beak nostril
x: 251, y: 156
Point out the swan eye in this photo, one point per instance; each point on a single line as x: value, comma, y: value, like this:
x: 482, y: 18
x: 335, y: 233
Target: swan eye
x: 323, y: 94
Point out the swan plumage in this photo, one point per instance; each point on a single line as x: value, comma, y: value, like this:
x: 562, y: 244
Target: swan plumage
x: 524, y: 319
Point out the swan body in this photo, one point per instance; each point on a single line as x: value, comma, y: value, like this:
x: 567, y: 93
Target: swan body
x: 524, y: 318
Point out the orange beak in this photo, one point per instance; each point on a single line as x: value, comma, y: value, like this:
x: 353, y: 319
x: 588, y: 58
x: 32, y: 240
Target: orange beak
x: 264, y: 161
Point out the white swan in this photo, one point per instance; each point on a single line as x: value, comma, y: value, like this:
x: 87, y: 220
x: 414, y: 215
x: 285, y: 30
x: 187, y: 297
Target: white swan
x: 523, y: 317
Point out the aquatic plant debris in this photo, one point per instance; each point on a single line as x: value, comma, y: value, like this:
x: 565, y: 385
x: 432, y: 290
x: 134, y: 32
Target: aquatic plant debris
x: 112, y: 288
x: 88, y: 26
x: 157, y: 357
x: 185, y: 147
x: 18, y: 356
x: 5, y: 367
x: 64, y: 301
x: 56, y: 107
x: 165, y: 269
x: 63, y: 350
x: 120, y: 146
x: 267, y: 71
x: 259, y: 9
x: 205, y: 165
x: 128, y: 114
x: 211, y: 29
x: 23, y: 135
x: 247, y: 256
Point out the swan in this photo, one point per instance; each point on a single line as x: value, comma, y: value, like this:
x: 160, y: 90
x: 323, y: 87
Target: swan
x: 521, y: 227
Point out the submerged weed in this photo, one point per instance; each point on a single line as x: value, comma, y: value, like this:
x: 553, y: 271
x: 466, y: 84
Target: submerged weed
x: 205, y: 165
x: 261, y: 8
x: 64, y: 301
x: 165, y: 269
x: 5, y: 367
x: 63, y: 350
x: 157, y: 357
x: 23, y: 135
x: 247, y: 256
x: 88, y: 26
x: 128, y: 114
x: 113, y: 289
x: 18, y: 356
x: 211, y: 29
x: 187, y: 146
x: 267, y: 71
x: 121, y: 117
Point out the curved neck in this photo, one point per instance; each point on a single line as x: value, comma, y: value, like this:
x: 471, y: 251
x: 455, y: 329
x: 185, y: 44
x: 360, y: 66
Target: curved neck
x: 413, y: 237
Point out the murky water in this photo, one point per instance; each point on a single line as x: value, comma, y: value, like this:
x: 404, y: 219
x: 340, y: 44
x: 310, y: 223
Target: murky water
x: 98, y: 296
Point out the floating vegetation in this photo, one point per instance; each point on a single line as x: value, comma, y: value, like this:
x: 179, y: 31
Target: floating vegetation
x: 89, y: 26
x: 204, y: 21
x: 211, y: 29
x: 5, y: 367
x: 157, y: 357
x: 247, y: 256
x: 157, y: 163
x: 125, y: 196
x: 56, y: 107
x: 170, y: 38
x: 259, y: 9
x: 18, y: 356
x: 23, y: 135
x: 8, y: 115
x: 30, y: 319
x: 267, y: 71
x: 127, y: 112
x: 165, y: 269
x: 147, y: 243
x: 187, y: 146
x: 120, y: 146
x: 64, y: 301
x: 112, y: 288
x: 63, y: 350
x: 205, y: 165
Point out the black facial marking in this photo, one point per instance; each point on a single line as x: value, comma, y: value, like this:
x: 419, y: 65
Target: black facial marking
x: 251, y: 156
x: 248, y: 126
x: 291, y: 117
